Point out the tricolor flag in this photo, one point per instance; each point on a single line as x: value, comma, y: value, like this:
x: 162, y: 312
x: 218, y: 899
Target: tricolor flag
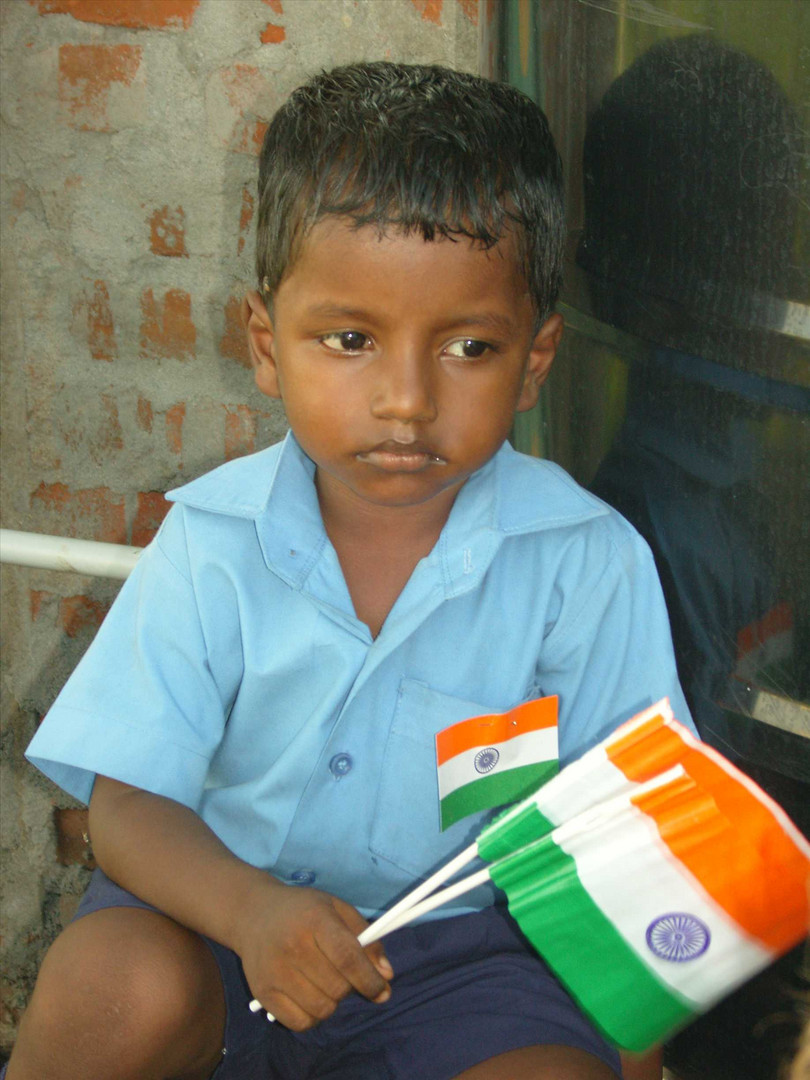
x: 638, y: 750
x: 652, y: 875
x: 492, y: 760
x: 653, y: 913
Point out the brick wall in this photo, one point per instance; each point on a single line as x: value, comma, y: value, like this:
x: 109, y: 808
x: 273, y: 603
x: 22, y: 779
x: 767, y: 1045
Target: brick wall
x: 129, y: 137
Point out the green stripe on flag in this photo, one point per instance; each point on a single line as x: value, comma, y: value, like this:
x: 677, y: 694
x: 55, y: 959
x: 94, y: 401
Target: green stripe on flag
x: 494, y: 790
x: 510, y: 833
x: 601, y: 971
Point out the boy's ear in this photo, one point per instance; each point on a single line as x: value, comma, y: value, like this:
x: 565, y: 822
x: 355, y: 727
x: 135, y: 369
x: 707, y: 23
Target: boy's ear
x: 261, y: 340
x: 541, y: 357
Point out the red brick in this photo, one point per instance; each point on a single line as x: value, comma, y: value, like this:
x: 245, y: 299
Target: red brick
x: 80, y: 613
x: 94, y: 319
x: 72, y: 837
x: 430, y: 10
x: 168, y: 231
x: 273, y: 35
x: 233, y: 343
x: 248, y: 135
x: 237, y: 117
x: 175, y: 417
x: 86, y: 73
x: 90, y: 513
x: 152, y: 509
x: 240, y: 82
x: 240, y: 430
x: 470, y: 9
x: 166, y: 326
x: 144, y: 415
x: 44, y: 401
x: 100, y: 325
x: 245, y: 218
x: 275, y: 5
x: 36, y: 598
x: 134, y: 14
x: 108, y: 436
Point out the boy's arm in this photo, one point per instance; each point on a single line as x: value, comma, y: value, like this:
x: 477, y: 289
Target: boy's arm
x: 298, y: 946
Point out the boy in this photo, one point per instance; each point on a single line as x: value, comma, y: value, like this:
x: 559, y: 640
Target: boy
x: 257, y: 715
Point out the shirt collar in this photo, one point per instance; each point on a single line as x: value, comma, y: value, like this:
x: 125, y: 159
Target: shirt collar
x: 510, y: 495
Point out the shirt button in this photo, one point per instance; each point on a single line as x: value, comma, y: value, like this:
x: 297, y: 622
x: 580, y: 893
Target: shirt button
x: 303, y: 877
x: 340, y: 765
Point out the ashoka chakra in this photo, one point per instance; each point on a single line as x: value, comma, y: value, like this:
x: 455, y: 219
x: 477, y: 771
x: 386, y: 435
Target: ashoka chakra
x: 678, y: 937
x: 486, y: 760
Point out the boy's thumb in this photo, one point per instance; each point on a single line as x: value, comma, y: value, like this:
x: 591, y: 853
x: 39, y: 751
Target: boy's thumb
x: 381, y: 963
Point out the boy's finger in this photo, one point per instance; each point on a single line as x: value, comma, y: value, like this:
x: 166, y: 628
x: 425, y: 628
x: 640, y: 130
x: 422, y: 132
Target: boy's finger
x: 380, y: 960
x: 326, y: 979
x: 357, y: 924
x: 302, y: 1004
x: 285, y: 1011
x: 342, y: 949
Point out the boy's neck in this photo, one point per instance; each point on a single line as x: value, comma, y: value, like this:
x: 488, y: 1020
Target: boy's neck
x: 379, y: 546
x: 349, y: 515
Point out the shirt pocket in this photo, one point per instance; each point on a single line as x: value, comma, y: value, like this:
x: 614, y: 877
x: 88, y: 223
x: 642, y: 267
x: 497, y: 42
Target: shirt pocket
x: 406, y: 828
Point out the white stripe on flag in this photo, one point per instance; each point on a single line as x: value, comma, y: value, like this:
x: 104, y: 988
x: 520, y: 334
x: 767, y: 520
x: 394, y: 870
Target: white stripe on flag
x: 528, y: 749
x: 566, y: 795
x: 662, y: 887
x: 593, y: 778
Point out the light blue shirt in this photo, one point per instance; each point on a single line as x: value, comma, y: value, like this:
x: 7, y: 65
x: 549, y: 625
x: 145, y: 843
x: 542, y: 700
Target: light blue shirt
x: 233, y: 676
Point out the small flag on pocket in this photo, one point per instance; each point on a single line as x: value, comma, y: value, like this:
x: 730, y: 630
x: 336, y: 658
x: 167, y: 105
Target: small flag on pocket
x: 488, y: 761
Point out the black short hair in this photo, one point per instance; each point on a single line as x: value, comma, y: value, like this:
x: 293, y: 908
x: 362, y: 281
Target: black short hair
x: 420, y: 148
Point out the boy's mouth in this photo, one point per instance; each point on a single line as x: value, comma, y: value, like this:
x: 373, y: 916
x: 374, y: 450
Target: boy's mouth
x: 395, y: 456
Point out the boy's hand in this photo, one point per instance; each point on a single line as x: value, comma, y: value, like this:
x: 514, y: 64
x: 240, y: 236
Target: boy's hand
x: 300, y: 954
x: 298, y: 946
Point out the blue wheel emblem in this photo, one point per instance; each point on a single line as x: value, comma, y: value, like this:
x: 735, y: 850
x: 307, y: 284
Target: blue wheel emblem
x: 486, y: 760
x: 678, y: 937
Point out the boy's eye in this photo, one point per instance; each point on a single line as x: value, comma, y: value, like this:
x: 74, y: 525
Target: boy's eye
x: 468, y: 348
x: 346, y: 341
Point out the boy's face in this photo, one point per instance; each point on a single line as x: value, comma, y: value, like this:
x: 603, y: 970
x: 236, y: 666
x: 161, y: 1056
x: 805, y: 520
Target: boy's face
x: 400, y: 362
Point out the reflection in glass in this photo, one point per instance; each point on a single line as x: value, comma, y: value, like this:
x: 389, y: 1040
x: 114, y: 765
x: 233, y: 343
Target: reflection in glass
x: 682, y: 392
x: 691, y: 180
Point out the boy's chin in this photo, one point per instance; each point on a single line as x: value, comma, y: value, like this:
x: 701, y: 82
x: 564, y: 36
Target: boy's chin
x: 395, y: 489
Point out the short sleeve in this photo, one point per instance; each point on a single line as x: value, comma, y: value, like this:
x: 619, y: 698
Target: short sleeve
x: 610, y: 654
x: 143, y: 705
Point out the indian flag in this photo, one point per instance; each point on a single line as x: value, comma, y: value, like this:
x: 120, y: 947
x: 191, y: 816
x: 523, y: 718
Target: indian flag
x: 652, y: 875
x: 491, y: 760
x: 653, y: 905
x: 638, y: 750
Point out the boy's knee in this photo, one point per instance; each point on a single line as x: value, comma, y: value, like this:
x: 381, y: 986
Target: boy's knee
x: 129, y: 970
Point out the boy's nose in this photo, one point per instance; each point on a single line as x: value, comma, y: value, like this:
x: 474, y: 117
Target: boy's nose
x: 404, y: 388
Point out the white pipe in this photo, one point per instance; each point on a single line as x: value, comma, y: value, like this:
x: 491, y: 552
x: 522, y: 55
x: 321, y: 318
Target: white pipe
x: 60, y: 553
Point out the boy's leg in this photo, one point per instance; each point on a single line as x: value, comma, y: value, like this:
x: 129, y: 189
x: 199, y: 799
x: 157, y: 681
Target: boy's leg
x: 123, y: 993
x: 541, y: 1063
x: 556, y: 1062
x: 470, y: 1001
x: 649, y: 1066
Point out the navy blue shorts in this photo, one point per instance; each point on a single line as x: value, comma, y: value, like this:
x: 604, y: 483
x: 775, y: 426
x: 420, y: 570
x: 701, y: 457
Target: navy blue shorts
x: 465, y: 989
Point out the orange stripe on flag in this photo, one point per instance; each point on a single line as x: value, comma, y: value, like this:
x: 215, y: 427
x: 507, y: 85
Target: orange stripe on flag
x: 729, y: 837
x: 498, y: 728
x: 645, y: 752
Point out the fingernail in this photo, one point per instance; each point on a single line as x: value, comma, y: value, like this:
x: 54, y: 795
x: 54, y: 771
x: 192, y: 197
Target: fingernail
x: 384, y: 968
x: 380, y: 999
